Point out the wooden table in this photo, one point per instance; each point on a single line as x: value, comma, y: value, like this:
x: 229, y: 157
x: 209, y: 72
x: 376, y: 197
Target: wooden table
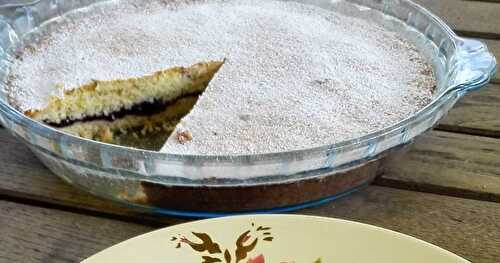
x: 446, y: 190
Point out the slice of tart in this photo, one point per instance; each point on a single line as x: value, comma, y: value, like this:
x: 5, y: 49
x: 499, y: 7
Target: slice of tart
x: 101, y: 110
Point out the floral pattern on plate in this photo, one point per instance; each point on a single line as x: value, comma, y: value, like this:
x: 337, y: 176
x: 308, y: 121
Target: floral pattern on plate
x: 212, y: 252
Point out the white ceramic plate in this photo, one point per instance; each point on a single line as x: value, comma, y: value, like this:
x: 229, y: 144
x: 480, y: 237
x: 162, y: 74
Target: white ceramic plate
x: 274, y: 239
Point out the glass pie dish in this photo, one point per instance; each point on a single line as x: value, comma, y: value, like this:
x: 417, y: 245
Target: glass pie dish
x: 204, y: 186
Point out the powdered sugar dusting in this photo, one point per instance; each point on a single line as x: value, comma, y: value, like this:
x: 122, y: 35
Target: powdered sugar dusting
x: 296, y: 76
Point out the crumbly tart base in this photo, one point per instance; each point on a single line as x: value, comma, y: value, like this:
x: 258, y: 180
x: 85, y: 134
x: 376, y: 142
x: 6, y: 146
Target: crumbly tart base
x: 108, y: 131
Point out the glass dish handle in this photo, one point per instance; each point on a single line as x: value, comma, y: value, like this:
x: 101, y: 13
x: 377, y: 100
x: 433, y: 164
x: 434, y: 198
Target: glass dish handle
x: 473, y: 63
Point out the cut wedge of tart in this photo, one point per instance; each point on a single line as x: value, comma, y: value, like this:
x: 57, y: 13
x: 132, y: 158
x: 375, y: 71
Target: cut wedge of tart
x: 108, y: 111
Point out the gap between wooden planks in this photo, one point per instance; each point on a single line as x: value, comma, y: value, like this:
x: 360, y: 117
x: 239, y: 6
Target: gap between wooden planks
x: 477, y: 113
x: 466, y: 227
x: 448, y: 163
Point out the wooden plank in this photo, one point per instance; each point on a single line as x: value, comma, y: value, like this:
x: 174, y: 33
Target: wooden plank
x: 34, y: 234
x: 23, y: 176
x: 449, y: 163
x: 477, y: 113
x: 466, y: 227
x: 468, y: 17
